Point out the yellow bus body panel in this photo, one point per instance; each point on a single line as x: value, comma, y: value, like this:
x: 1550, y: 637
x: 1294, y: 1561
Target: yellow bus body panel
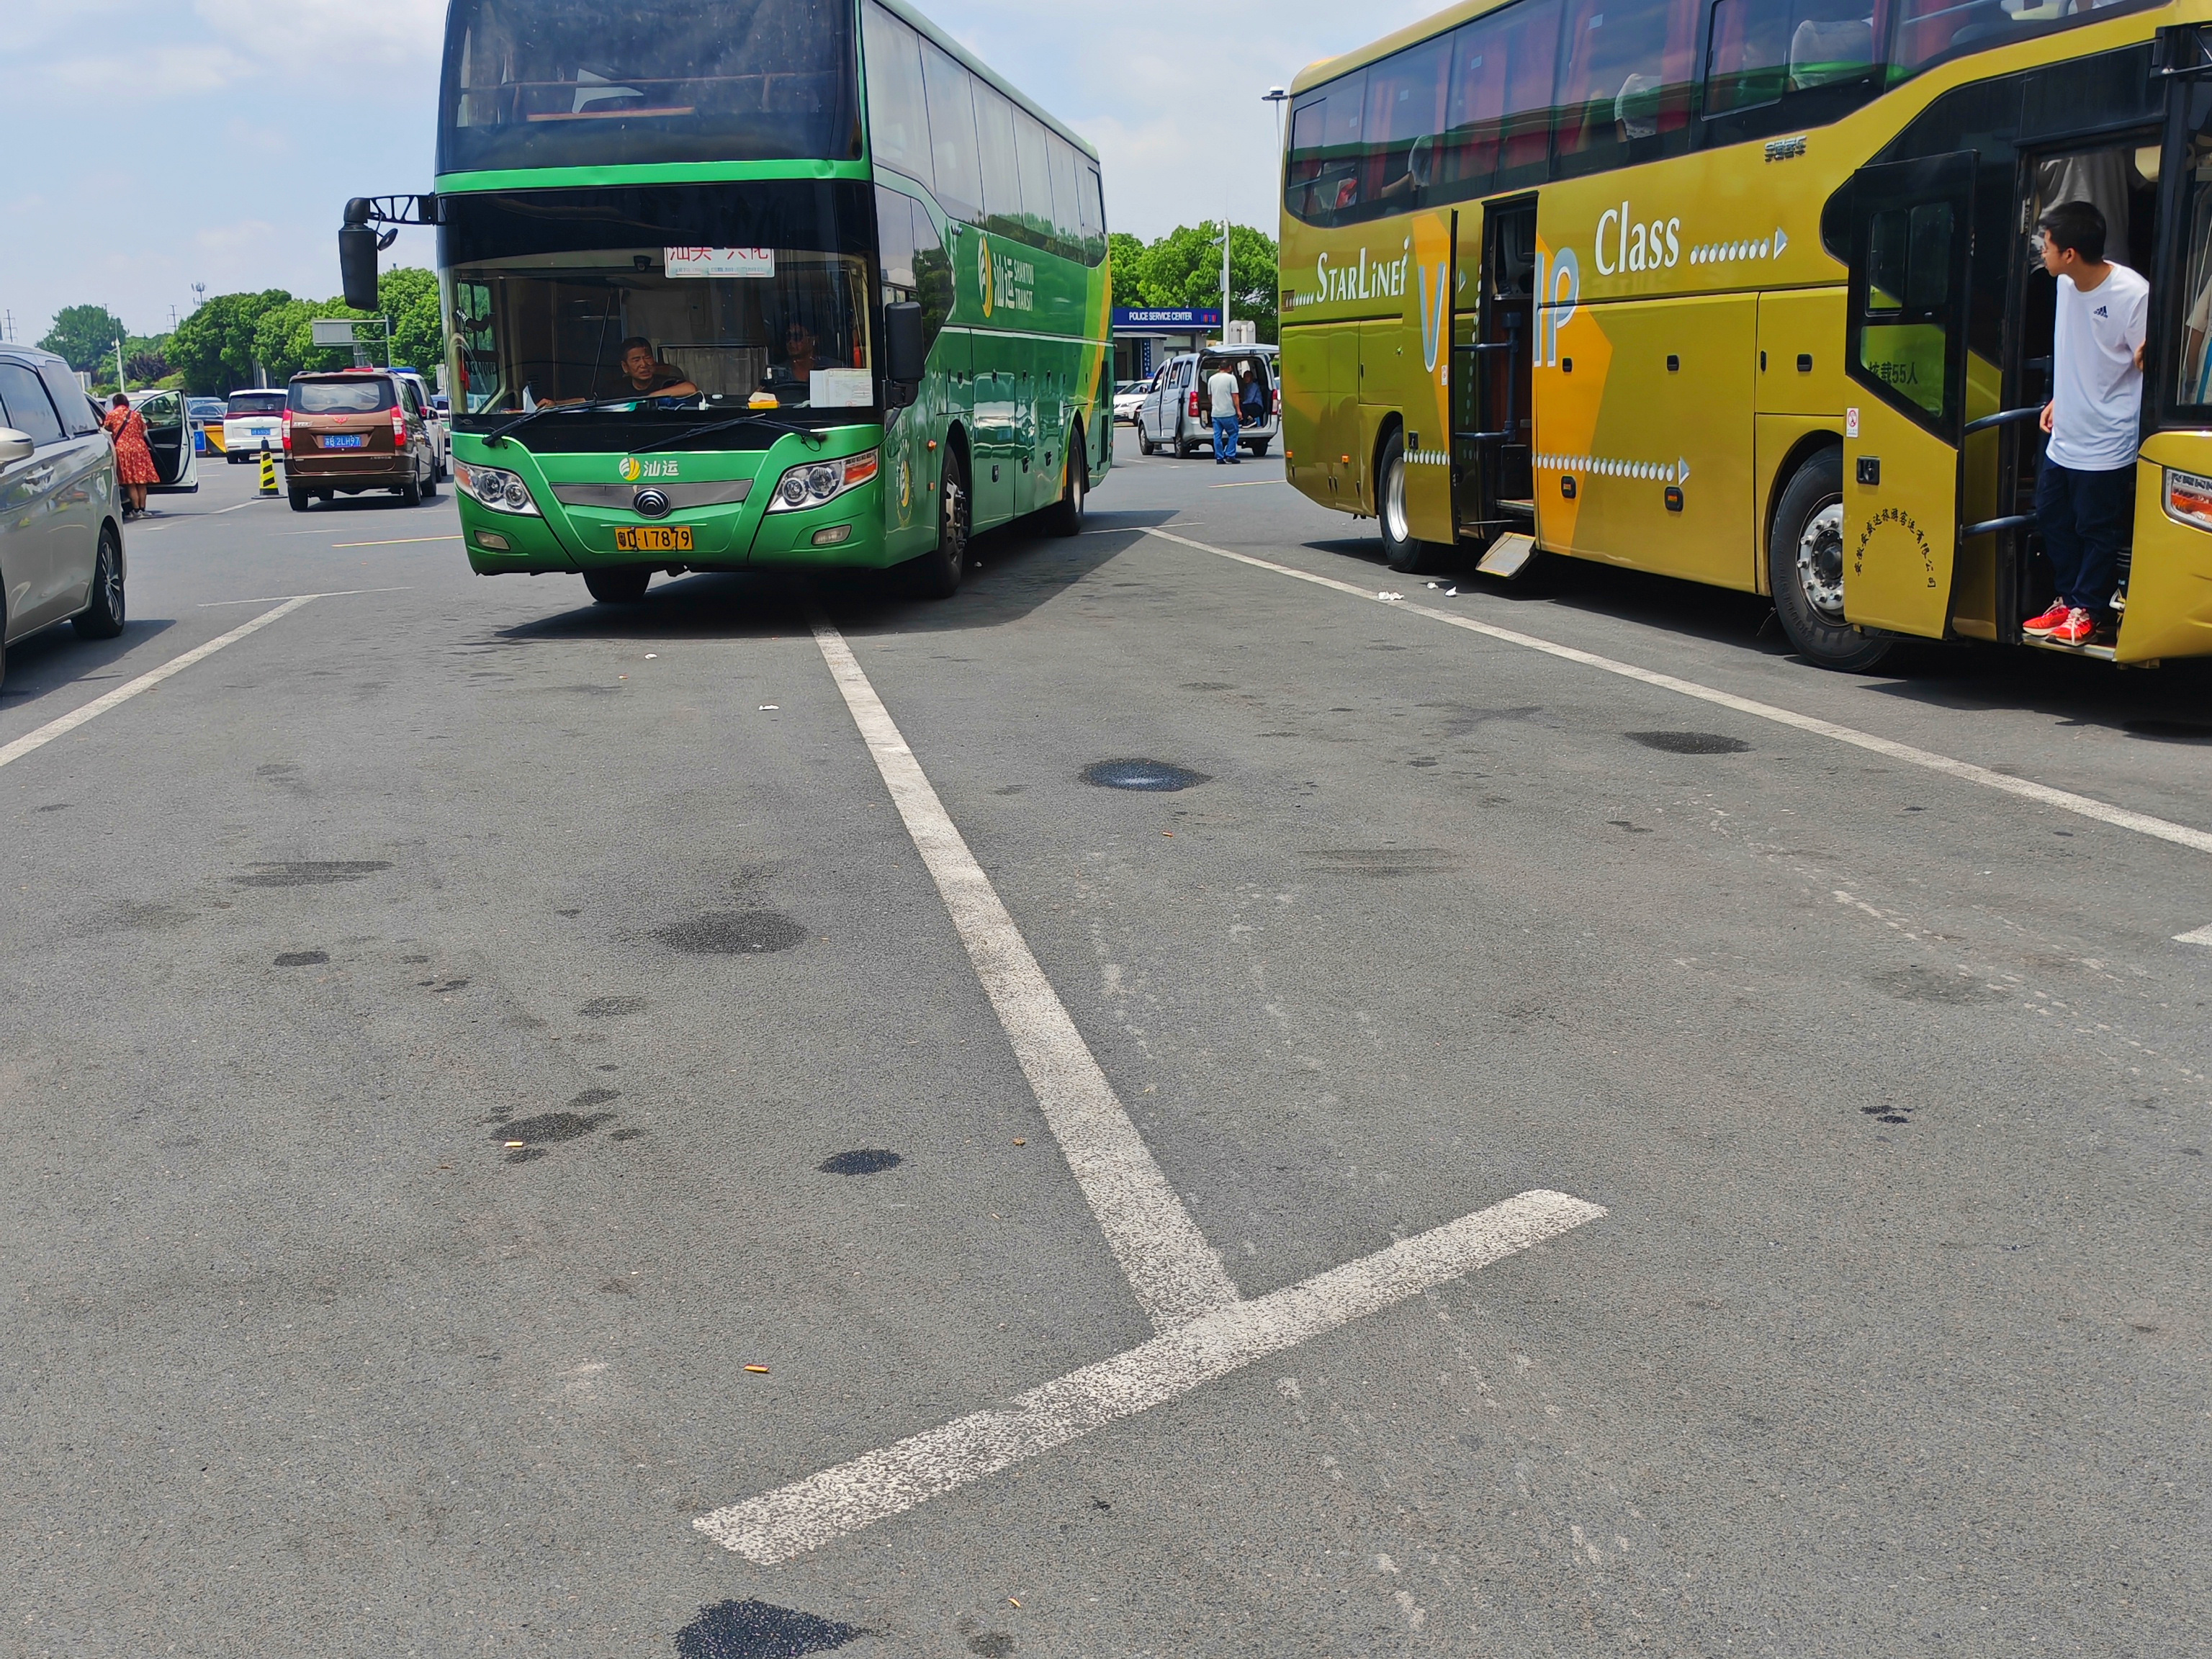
x: 2169, y: 611
x: 1713, y: 257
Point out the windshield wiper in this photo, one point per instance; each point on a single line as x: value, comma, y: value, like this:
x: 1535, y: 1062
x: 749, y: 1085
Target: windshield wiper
x: 498, y: 434
x: 813, y: 439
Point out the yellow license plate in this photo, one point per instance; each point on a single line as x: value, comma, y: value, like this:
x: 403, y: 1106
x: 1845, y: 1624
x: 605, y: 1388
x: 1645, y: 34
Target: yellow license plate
x: 655, y: 538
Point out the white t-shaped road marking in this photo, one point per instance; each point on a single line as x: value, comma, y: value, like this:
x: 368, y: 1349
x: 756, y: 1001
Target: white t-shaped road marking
x: 1206, y: 1330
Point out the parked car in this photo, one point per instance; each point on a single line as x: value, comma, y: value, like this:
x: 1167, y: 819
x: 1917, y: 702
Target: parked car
x: 205, y: 412
x: 1174, y: 413
x: 61, y: 510
x: 441, y: 436
x: 169, y: 435
x: 253, y: 418
x: 1127, y: 396
x: 358, y: 429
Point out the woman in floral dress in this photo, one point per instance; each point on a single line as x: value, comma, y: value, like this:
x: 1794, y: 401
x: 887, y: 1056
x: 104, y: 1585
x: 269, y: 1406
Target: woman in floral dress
x: 134, y: 461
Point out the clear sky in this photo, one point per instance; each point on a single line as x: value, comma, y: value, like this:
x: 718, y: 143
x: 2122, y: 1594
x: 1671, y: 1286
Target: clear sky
x: 158, y: 143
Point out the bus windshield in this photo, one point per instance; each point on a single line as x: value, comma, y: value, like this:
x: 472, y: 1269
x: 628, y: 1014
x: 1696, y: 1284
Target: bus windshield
x: 537, y: 83
x: 659, y: 302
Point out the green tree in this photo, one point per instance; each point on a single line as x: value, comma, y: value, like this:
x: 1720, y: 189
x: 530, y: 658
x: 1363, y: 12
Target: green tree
x: 408, y: 297
x: 1125, y: 257
x: 213, y: 348
x: 1183, y: 268
x: 82, y: 333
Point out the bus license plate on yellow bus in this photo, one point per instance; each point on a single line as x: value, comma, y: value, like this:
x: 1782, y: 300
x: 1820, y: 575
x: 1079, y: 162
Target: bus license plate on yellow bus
x: 655, y: 538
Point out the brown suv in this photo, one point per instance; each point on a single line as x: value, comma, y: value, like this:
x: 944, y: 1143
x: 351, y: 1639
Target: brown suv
x: 357, y: 429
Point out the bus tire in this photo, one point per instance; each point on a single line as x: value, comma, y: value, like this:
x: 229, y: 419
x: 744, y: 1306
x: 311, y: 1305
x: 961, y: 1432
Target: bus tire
x: 618, y: 584
x: 1065, y: 516
x: 1805, y: 568
x: 1402, y: 550
x: 937, y: 575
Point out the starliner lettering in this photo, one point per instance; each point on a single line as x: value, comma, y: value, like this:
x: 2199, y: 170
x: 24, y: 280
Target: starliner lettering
x: 1635, y: 245
x: 1368, y: 280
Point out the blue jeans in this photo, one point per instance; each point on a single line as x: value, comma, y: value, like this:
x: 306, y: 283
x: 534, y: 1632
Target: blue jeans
x: 2088, y: 518
x: 1225, y: 437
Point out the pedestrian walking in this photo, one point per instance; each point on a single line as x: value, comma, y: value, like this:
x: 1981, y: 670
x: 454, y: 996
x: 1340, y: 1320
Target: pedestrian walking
x: 1221, y: 389
x: 134, y: 460
x: 2085, y: 499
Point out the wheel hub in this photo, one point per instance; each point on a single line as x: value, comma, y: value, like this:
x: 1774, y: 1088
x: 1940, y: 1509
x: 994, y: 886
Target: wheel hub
x: 1394, y: 522
x: 1821, y: 562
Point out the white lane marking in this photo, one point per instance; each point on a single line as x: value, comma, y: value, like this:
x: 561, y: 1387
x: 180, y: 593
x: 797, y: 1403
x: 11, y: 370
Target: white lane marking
x: 146, y: 682
x: 341, y: 593
x: 794, y: 1519
x: 1175, y: 1274
x: 2180, y: 835
x: 2195, y: 936
x: 396, y: 541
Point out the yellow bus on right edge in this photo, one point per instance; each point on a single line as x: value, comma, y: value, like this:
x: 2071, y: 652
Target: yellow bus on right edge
x: 1744, y: 291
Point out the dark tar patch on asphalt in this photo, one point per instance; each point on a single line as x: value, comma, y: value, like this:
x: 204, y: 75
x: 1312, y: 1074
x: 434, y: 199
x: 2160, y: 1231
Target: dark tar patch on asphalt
x: 757, y: 1630
x: 1157, y: 777
x: 733, y: 933
x: 1689, y: 743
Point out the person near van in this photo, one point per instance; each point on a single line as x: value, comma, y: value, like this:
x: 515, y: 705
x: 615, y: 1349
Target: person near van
x: 1221, y: 389
x: 2085, y: 497
x: 134, y: 459
x: 1253, y: 398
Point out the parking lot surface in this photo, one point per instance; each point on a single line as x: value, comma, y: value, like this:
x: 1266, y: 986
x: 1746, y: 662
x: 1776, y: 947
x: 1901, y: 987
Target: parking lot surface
x: 1160, y: 1107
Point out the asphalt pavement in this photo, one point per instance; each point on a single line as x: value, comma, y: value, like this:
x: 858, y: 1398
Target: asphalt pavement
x: 711, y: 1129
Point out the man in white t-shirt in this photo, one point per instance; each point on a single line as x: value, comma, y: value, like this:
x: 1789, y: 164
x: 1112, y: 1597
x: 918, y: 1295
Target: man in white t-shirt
x: 2085, y: 497
x: 1221, y: 395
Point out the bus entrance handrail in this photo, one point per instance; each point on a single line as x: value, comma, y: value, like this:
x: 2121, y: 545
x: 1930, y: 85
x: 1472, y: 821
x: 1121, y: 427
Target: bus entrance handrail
x: 2009, y: 418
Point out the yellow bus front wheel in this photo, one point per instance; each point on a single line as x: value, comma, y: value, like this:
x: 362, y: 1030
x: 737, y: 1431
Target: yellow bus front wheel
x: 1805, y: 567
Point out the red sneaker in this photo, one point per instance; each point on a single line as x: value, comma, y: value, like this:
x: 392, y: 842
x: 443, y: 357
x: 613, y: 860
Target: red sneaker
x: 2075, y: 630
x: 2042, y: 627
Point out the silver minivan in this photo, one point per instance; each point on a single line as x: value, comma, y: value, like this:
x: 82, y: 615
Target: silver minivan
x: 61, y: 512
x: 1174, y: 414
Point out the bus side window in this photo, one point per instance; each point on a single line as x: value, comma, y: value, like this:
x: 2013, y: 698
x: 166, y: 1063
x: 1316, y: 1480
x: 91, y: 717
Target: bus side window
x: 933, y: 276
x: 1625, y: 87
x: 898, y: 128
x: 952, y: 133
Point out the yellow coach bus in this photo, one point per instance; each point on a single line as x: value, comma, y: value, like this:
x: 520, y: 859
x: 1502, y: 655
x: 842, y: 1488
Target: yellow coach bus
x: 1746, y: 291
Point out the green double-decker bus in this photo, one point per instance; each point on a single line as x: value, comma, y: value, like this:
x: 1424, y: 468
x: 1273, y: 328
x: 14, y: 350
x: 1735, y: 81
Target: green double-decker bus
x: 746, y: 284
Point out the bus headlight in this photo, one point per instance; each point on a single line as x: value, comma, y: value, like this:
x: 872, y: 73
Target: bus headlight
x: 2189, y: 498
x: 493, y: 487
x: 821, y: 481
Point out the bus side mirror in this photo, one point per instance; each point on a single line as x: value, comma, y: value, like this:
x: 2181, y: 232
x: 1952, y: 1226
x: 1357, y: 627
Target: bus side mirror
x: 357, y: 246
x: 905, y: 357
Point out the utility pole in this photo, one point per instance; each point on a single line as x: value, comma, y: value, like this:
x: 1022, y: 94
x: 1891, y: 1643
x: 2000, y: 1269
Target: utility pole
x: 1224, y: 279
x: 121, y: 385
x: 199, y: 295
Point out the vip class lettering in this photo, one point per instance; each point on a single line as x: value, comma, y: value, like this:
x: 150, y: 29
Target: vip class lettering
x: 1626, y: 243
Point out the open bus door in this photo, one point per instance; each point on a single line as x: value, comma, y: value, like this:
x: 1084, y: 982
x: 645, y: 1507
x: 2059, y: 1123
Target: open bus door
x: 1906, y: 348
x: 1494, y: 406
x: 2169, y: 585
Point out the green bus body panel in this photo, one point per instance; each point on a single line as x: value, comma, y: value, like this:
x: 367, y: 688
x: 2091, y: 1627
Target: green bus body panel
x: 1017, y: 371
x: 646, y: 172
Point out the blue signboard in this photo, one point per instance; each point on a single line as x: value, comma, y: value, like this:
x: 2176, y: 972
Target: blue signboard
x: 1179, y: 319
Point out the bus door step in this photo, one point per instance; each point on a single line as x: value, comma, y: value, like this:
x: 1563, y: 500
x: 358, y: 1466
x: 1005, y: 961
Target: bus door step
x: 2102, y: 653
x: 1507, y: 555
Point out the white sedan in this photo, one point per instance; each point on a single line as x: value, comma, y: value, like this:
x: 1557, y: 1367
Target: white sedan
x: 1128, y: 396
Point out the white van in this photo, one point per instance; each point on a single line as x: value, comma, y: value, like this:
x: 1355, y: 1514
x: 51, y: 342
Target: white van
x: 251, y: 418
x: 1174, y: 414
